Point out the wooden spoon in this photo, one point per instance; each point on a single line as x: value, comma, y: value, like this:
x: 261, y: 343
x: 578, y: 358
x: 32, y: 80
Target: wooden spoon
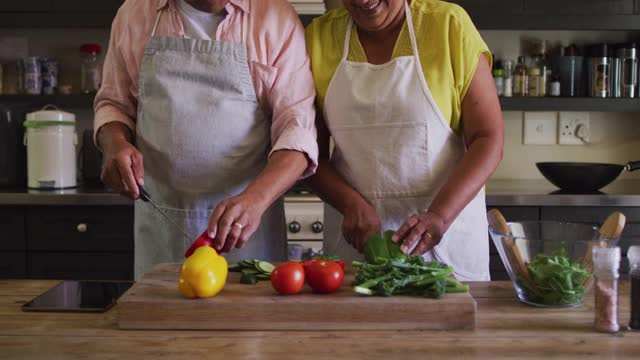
x: 612, y: 228
x: 499, y: 224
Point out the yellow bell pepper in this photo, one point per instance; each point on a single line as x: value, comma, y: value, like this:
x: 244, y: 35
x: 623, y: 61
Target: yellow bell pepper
x: 203, y: 274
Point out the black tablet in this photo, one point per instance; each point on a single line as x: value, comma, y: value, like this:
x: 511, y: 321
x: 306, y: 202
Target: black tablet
x: 79, y: 296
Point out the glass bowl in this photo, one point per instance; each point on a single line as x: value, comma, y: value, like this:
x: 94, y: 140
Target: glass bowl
x: 556, y: 268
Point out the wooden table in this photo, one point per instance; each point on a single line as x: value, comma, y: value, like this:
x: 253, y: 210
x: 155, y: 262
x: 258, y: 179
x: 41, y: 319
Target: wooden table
x: 505, y: 329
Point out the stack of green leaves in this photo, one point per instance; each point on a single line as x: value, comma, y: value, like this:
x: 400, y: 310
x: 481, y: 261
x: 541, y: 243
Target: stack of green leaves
x: 557, y: 280
x: 252, y: 270
x: 389, y: 272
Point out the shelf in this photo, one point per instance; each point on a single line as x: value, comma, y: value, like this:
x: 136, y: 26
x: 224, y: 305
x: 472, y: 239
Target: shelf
x: 569, y: 104
x: 62, y: 101
x: 557, y: 22
x: 57, y: 20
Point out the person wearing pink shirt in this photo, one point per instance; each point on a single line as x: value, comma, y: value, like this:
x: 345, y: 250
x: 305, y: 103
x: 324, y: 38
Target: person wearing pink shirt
x: 208, y: 104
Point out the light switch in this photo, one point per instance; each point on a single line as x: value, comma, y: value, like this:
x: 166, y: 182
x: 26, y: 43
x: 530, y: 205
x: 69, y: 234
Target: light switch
x: 540, y: 128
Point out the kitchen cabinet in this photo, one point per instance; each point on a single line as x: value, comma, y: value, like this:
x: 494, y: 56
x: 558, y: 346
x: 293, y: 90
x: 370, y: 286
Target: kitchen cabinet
x: 579, y: 7
x: 58, y: 13
x: 87, y: 6
x: 26, y: 6
x: 636, y: 7
x: 13, y: 265
x: 66, y: 242
x: 12, y: 228
x: 80, y: 266
x: 553, y: 14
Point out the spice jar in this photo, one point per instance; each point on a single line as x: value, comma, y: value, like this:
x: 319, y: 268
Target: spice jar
x: 498, y: 77
x: 606, y: 262
x: 634, y: 274
x: 91, y: 68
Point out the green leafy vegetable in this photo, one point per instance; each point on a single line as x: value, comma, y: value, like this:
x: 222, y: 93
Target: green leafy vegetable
x: 389, y: 272
x: 382, y: 247
x: 326, y: 257
x: 558, y: 280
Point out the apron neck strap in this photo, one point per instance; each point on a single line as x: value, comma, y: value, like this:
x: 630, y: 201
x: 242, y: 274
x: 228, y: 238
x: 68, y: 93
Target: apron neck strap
x: 412, y: 33
x: 155, y: 26
x: 245, y: 27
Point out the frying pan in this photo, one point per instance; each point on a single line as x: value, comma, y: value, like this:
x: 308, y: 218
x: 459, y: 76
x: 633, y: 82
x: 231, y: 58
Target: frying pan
x: 583, y: 177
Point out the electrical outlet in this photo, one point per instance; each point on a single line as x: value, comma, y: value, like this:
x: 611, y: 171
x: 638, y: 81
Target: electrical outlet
x: 540, y: 128
x: 574, y: 128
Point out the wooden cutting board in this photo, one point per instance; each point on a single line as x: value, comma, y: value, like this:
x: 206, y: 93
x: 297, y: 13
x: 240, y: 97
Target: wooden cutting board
x: 154, y: 302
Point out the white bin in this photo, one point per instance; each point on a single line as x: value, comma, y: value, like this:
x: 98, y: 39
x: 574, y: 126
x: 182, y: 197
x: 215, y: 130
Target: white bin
x: 51, y: 142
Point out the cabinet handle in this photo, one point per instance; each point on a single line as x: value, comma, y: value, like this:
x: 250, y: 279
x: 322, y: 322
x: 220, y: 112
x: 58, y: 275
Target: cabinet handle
x: 82, y: 227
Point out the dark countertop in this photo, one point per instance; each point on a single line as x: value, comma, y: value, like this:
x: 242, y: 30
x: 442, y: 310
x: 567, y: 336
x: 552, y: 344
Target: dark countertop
x: 499, y: 193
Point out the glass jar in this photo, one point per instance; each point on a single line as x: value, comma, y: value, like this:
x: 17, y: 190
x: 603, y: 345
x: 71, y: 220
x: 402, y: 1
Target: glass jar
x: 91, y: 68
x: 606, y: 262
x: 634, y: 274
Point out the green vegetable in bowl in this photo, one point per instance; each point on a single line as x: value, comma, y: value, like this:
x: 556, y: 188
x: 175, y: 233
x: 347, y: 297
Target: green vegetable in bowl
x: 558, y: 280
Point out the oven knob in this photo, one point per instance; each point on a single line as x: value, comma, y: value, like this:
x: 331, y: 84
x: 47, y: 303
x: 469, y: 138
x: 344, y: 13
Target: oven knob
x: 294, y: 227
x: 317, y: 227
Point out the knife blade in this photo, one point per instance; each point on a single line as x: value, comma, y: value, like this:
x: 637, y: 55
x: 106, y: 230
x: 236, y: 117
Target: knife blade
x: 146, y: 197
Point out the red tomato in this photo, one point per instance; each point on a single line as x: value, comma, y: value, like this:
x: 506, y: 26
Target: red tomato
x: 324, y: 276
x: 288, y: 278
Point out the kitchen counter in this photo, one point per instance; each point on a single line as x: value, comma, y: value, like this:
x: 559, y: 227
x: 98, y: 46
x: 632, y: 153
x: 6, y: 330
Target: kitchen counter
x: 543, y: 193
x: 82, y: 195
x: 505, y: 329
x: 499, y: 193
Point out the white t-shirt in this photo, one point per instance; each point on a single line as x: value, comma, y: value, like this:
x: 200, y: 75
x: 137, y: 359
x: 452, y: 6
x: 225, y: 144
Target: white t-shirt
x: 198, y: 24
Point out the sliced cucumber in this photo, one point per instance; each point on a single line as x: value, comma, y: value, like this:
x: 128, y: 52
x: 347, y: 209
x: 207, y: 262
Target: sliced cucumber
x: 235, y: 267
x: 249, y: 279
x: 265, y: 267
x: 263, y: 277
x: 249, y: 272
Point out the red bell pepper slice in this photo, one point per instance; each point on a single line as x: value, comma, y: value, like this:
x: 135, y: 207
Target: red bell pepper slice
x: 202, y: 240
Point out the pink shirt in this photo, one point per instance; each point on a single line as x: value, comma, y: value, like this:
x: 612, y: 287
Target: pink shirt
x: 277, y: 55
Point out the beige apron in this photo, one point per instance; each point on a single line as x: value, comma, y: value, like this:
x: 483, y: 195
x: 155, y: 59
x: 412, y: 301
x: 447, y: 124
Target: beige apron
x: 204, y: 139
x: 393, y: 145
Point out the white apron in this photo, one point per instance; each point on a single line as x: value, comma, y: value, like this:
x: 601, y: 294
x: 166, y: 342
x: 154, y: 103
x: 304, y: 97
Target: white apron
x: 204, y: 139
x: 393, y: 145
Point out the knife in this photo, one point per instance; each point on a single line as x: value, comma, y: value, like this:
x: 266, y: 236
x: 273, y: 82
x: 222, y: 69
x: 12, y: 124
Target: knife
x: 144, y: 196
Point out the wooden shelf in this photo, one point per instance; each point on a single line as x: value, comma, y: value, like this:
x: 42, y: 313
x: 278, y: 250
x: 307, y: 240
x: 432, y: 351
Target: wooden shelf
x: 569, y: 104
x: 63, y: 101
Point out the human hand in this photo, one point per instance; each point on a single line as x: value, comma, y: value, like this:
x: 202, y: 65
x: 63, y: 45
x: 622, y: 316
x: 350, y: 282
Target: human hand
x: 122, y: 168
x: 234, y: 220
x: 426, y: 229
x: 360, y: 222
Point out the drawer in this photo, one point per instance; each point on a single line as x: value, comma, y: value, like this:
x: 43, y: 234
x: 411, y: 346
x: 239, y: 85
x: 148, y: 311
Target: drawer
x: 80, y: 266
x: 12, y: 228
x: 592, y: 215
x: 79, y: 228
x: 13, y: 265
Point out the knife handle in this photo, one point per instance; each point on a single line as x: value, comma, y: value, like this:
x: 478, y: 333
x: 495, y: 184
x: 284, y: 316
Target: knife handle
x: 144, y: 195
